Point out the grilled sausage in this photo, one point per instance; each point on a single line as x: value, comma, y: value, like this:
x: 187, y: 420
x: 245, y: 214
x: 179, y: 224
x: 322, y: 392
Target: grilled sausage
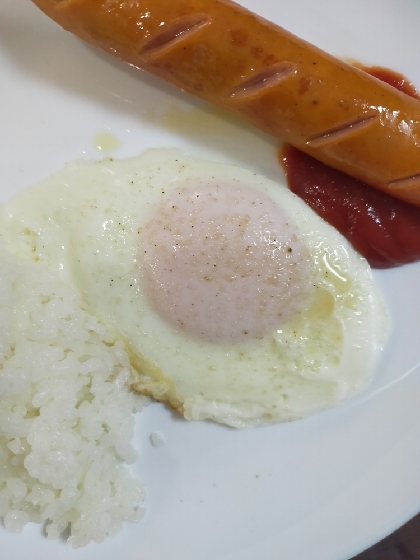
x: 220, y: 52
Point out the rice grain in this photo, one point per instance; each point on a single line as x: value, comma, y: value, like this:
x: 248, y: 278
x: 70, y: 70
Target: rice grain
x: 66, y: 412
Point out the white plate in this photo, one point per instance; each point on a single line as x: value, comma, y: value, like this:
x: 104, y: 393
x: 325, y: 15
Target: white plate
x: 320, y: 489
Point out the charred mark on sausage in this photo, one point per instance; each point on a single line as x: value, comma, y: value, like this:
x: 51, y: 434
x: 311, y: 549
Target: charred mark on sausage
x: 173, y: 33
x: 342, y: 131
x: 262, y: 80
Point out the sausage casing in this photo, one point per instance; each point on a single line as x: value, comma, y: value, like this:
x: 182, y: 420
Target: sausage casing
x: 220, y: 52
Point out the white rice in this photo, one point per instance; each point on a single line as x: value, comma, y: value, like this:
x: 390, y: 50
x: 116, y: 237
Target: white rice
x: 157, y: 440
x: 66, y: 419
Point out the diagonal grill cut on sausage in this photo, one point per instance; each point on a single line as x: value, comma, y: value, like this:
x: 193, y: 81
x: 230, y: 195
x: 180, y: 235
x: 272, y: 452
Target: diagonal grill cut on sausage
x: 405, y: 182
x: 225, y: 54
x: 173, y: 32
x: 263, y: 80
x: 342, y: 131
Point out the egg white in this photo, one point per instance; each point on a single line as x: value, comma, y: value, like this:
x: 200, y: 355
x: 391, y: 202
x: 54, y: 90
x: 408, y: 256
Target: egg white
x: 86, y: 223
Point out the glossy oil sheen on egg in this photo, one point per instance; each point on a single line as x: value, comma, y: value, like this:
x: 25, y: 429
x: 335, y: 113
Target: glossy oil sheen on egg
x: 237, y: 302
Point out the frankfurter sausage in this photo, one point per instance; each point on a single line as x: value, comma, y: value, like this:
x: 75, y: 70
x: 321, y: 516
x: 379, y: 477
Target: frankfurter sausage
x: 220, y: 52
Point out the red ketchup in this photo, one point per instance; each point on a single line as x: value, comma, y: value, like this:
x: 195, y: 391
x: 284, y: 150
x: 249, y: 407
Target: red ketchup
x: 385, y: 230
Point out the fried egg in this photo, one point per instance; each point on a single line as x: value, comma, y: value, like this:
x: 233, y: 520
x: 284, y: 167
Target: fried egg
x: 237, y: 303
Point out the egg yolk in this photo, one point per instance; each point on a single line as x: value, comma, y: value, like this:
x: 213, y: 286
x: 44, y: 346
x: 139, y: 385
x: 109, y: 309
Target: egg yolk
x: 222, y: 263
